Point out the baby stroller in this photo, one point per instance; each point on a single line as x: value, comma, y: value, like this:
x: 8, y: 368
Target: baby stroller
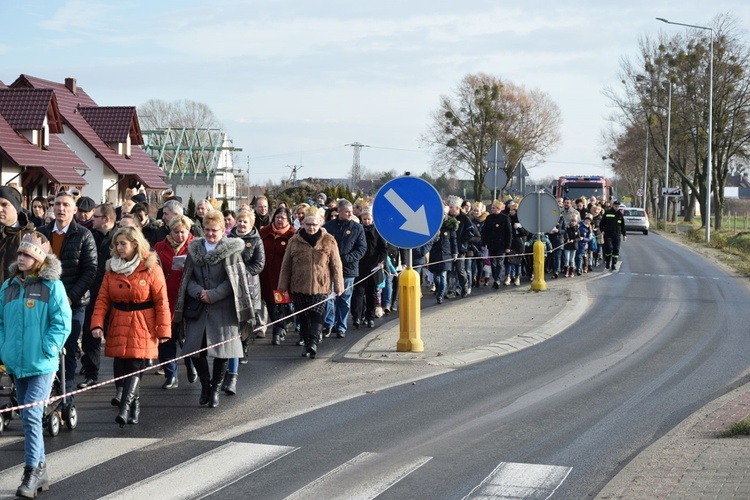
x: 55, y: 413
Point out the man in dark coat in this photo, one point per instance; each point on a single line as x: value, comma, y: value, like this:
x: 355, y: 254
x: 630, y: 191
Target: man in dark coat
x: 75, y: 247
x: 350, y: 237
x: 612, y: 227
x: 103, y: 229
x: 14, y: 223
x: 497, y: 235
x: 465, y: 232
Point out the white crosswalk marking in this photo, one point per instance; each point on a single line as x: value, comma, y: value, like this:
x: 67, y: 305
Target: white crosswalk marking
x: 75, y: 459
x: 520, y: 481
x: 7, y: 441
x: 364, y: 477
x: 206, y: 473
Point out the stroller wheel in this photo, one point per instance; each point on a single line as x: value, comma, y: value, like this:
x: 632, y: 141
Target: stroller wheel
x: 53, y: 424
x: 70, y: 415
x: 2, y: 424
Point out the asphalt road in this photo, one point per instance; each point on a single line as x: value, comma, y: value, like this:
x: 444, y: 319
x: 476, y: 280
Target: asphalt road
x: 663, y: 336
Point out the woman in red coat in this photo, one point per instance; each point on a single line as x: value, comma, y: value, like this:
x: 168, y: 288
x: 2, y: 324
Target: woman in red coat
x: 172, y: 252
x: 275, y: 237
x: 134, y: 294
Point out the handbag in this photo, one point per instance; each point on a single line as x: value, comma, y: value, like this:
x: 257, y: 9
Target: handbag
x: 192, y: 308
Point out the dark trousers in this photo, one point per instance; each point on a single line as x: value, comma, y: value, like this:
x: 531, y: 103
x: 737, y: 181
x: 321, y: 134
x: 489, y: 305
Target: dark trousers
x: 611, y: 247
x: 365, y: 297
x: 458, y: 278
x: 91, y: 347
x: 71, y: 344
x: 126, y: 366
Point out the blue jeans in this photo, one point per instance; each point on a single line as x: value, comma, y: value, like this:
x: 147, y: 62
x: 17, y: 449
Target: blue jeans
x: 167, y: 351
x: 71, y: 345
x: 337, y: 314
x: 556, y: 260
x: 28, y: 390
x: 441, y: 282
x: 387, y: 292
x: 497, y: 267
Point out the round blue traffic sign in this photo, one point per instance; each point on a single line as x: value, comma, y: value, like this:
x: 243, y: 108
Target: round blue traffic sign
x: 407, y: 212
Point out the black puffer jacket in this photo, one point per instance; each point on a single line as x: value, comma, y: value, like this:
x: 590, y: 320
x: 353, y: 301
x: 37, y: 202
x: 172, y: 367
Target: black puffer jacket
x: 79, y: 261
x: 350, y: 237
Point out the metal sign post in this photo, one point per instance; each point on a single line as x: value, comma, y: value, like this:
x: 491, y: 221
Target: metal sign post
x: 408, y: 212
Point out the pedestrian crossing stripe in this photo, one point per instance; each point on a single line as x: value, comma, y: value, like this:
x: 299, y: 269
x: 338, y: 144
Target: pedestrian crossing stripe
x: 7, y: 441
x: 527, y: 481
x: 364, y: 477
x: 76, y: 459
x: 206, y: 473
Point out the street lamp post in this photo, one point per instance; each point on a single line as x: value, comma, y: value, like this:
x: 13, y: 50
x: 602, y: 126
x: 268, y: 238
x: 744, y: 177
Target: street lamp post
x: 666, y: 174
x: 709, y: 163
x: 645, y: 169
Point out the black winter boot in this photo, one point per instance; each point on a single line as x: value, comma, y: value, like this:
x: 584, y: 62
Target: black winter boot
x: 135, y: 411
x: 33, y: 480
x: 245, y: 343
x: 118, y: 397
x: 201, y: 366
x: 316, y: 335
x: 129, y: 393
x: 220, y: 368
x: 230, y: 384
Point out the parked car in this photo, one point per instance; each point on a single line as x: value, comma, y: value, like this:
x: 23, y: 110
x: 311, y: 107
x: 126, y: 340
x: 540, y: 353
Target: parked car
x: 636, y: 219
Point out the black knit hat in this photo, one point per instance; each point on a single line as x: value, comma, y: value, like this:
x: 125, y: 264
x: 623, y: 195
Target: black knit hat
x: 12, y: 195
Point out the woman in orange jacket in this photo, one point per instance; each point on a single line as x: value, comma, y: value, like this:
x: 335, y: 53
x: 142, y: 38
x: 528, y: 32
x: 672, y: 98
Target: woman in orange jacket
x: 134, y: 294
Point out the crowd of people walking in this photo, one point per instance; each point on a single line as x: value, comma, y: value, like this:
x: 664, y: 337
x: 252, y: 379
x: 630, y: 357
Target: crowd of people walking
x: 202, y: 287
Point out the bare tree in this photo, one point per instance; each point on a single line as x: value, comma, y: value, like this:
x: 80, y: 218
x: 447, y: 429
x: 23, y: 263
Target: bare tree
x: 184, y: 113
x: 482, y: 110
x: 682, y: 61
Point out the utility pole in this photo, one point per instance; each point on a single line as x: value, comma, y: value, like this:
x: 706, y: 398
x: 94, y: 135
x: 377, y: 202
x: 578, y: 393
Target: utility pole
x: 356, y: 171
x: 293, y: 175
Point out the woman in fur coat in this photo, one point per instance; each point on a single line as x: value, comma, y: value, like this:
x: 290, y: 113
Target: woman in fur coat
x: 216, y: 278
x: 311, y: 263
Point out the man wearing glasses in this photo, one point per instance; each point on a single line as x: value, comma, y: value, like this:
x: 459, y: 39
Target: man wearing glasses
x: 103, y: 229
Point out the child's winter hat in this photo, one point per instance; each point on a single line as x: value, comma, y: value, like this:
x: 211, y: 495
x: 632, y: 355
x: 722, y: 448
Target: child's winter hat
x: 35, y: 245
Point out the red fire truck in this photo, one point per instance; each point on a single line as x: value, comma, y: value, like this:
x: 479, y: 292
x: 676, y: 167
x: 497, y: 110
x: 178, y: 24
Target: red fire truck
x: 577, y: 186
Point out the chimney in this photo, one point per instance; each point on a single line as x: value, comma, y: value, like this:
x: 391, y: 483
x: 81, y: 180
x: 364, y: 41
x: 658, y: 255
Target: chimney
x: 70, y: 84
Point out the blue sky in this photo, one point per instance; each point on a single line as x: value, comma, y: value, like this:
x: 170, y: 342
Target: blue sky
x: 292, y: 82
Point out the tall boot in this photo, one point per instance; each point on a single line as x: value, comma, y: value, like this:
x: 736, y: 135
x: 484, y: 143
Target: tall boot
x: 115, y: 401
x: 316, y: 335
x: 220, y: 368
x: 135, y: 410
x: 33, y: 480
x: 201, y: 366
x: 129, y: 392
x: 244, y: 359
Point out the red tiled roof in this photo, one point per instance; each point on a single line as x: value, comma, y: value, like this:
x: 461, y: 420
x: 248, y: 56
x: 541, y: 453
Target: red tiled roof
x: 25, y: 109
x: 57, y: 160
x: 111, y: 123
x: 139, y: 165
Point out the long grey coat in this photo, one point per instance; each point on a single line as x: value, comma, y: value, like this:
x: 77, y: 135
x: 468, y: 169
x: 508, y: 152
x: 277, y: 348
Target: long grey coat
x: 223, y: 274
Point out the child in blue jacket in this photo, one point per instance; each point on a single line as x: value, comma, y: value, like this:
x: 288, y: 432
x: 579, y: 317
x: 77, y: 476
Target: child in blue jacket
x: 35, y: 320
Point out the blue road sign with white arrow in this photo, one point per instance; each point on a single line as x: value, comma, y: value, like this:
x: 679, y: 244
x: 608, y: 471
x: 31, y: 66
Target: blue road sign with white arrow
x: 407, y: 212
